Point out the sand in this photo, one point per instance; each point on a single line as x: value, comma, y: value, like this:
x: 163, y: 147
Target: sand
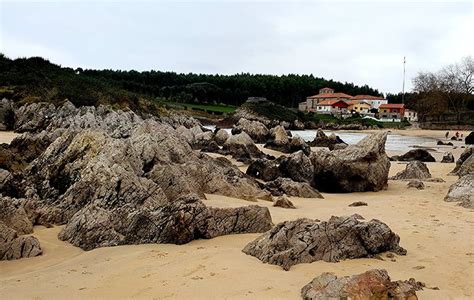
x: 438, y: 236
x: 7, y: 136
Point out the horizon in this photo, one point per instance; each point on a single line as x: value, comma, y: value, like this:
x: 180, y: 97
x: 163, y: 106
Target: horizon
x: 283, y: 40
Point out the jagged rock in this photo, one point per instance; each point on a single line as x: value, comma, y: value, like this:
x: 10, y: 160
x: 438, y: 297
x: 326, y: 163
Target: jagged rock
x: 186, y: 133
x: 297, y: 166
x: 467, y: 167
x: 469, y: 140
x: 298, y: 125
x: 13, y: 246
x: 176, y: 222
x: 358, y: 203
x: 448, y: 158
x: 414, y: 170
x: 322, y: 140
x: 441, y: 143
x: 14, y: 216
x: 241, y: 147
x: 279, y: 139
x: 416, y: 154
x: 304, y: 241
x: 4, y: 178
x: 203, y: 139
x: 468, y: 152
x: 283, y: 202
x: 297, y: 144
x: 289, y: 187
x: 373, y: 284
x: 221, y: 137
x: 339, y: 146
x: 264, y: 169
x: 212, y: 147
x: 462, y: 191
x: 256, y: 130
x: 357, y: 168
x: 418, y: 184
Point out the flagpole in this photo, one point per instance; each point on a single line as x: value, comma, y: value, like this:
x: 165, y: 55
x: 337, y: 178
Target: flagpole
x: 403, y: 88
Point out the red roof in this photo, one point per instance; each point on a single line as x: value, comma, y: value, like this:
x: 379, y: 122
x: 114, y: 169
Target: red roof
x: 392, y: 105
x: 367, y: 97
x: 331, y: 95
x: 331, y: 102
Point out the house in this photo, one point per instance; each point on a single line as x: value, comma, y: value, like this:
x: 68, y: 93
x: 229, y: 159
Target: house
x: 360, y: 107
x: 411, y: 115
x: 373, y: 101
x: 332, y: 107
x: 394, y: 112
x: 325, y: 94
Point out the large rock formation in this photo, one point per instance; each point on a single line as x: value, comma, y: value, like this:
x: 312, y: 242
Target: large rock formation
x: 416, y: 154
x: 462, y: 191
x: 14, y: 216
x: 469, y: 140
x: 464, y: 156
x: 322, y: 140
x: 304, y: 241
x: 280, y: 141
x: 289, y: 187
x: 373, y: 284
x: 242, y: 148
x: 256, y: 130
x: 13, y: 246
x: 357, y: 168
x: 221, y: 137
x: 467, y: 167
x: 414, y: 170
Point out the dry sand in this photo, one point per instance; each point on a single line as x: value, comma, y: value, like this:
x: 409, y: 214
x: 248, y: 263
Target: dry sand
x: 438, y: 236
x: 7, y: 136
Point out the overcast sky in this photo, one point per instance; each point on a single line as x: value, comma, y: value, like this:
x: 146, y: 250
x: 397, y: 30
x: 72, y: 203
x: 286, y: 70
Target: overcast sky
x: 360, y: 42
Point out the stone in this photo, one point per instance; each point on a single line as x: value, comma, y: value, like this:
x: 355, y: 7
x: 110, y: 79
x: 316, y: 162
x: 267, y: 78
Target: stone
x: 305, y: 241
x: 297, y: 166
x: 211, y: 147
x: 14, y: 216
x: 283, y: 202
x: 414, y: 170
x: 462, y: 191
x: 322, y: 140
x: 202, y: 140
x: 468, y: 152
x: 264, y: 169
x: 373, y: 284
x: 13, y: 246
x: 337, y: 146
x: 292, y: 188
x: 241, y: 147
x: 467, y: 167
x: 177, y: 222
x: 358, y: 203
x: 469, y: 140
x: 221, y: 137
x: 417, y: 184
x: 447, y: 158
x: 297, y: 143
x: 357, y: 168
x: 256, y: 130
x: 416, y: 154
x: 298, y: 125
x: 441, y: 143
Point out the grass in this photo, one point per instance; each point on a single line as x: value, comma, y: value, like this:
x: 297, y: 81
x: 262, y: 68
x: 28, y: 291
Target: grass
x: 209, y: 108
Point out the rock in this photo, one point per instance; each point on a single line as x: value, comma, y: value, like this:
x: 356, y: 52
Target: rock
x: 211, y: 147
x: 416, y: 154
x: 203, y: 139
x: 264, y: 169
x: 322, y: 140
x: 279, y: 139
x: 418, y: 184
x: 467, y: 167
x: 338, y: 146
x: 469, y: 140
x: 373, y: 284
x: 357, y: 168
x: 297, y: 166
x: 241, y: 147
x: 462, y: 191
x: 289, y: 187
x: 448, y: 158
x: 468, y: 152
x: 256, y: 130
x: 177, y: 222
x: 13, y: 246
x: 297, y: 144
x: 283, y: 202
x: 298, y: 125
x: 221, y: 137
x: 441, y: 143
x: 414, y: 170
x: 5, y: 176
x: 358, y: 203
x: 14, y: 216
x: 304, y: 241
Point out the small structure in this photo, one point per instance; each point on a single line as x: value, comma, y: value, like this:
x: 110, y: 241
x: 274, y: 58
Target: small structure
x: 411, y: 115
x: 360, y: 107
x: 392, y: 112
x: 373, y: 101
x: 334, y: 107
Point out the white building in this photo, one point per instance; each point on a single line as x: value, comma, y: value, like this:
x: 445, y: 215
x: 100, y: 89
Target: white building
x: 373, y: 101
x: 411, y: 115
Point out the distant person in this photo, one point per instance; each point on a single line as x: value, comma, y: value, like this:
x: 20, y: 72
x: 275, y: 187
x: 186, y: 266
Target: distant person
x: 447, y: 134
x: 457, y: 134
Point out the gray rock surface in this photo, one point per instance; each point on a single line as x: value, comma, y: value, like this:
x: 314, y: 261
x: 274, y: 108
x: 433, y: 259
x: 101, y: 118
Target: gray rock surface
x: 221, y: 137
x: 467, y: 153
x: 256, y: 130
x: 283, y: 202
x: 462, y: 191
x: 289, y: 187
x: 305, y: 241
x: 417, y: 184
x: 414, y: 170
x: 322, y: 140
x: 14, y: 216
x: 13, y: 246
x: 447, y: 158
x: 416, y: 154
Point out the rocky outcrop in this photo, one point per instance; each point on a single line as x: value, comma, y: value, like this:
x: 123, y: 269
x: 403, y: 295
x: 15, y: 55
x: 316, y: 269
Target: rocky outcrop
x: 298, y: 125
x: 462, y: 191
x: 177, y: 222
x: 298, y: 144
x: 221, y: 137
x: 289, y: 187
x: 256, y: 130
x: 357, y: 168
x: 304, y: 241
x: 416, y: 154
x: 358, y: 203
x: 469, y: 140
x: 13, y: 246
x: 447, y: 158
x: 441, y: 143
x: 373, y: 284
x: 264, y: 169
x: 242, y: 148
x: 322, y: 140
x: 297, y: 166
x: 414, y: 170
x: 283, y: 202
x: 280, y: 141
x: 464, y: 156
x: 417, y: 184
x: 467, y: 167
x: 14, y: 216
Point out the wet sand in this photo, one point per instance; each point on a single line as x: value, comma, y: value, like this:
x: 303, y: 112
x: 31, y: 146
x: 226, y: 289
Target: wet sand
x: 438, y: 236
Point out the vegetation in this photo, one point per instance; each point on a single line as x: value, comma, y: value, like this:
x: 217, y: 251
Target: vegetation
x: 218, y: 109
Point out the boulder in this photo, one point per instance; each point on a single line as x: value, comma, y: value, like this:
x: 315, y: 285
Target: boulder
x: 297, y: 166
x: 469, y: 140
x: 298, y: 125
x: 279, y: 139
x: 322, y: 140
x: 304, y: 241
x: 414, y: 170
x: 416, y: 154
x: 448, y: 158
x: 462, y: 191
x: 221, y: 137
x: 373, y: 284
x: 241, y: 147
x: 264, y: 169
x: 441, y: 143
x: 176, y: 222
x: 13, y: 246
x: 358, y: 203
x: 357, y: 168
x: 283, y: 202
x: 256, y: 130
x: 14, y: 216
x: 289, y: 187
x: 467, y: 167
x: 338, y: 146
x: 468, y: 152
x: 203, y: 139
x: 417, y: 184
x: 297, y: 143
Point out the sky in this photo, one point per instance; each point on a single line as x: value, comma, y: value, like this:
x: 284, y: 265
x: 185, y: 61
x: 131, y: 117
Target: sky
x: 363, y: 42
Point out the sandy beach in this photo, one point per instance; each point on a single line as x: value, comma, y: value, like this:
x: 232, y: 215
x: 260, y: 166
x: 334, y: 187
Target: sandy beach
x: 438, y: 236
